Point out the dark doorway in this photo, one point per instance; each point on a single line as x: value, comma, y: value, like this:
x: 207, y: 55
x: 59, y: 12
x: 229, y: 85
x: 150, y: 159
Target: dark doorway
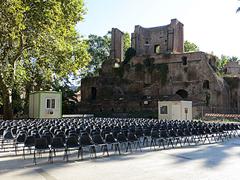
x: 182, y: 93
x: 93, y: 93
x: 184, y: 60
x: 206, y: 84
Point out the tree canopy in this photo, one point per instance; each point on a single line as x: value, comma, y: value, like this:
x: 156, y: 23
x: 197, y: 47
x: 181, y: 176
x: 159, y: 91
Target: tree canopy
x: 222, y: 61
x: 38, y: 42
x: 99, y: 50
x: 190, y: 47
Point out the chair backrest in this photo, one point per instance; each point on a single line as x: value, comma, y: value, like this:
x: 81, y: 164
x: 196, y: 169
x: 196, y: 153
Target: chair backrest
x: 85, y: 140
x: 121, y: 137
x: 109, y: 138
x: 30, y: 141
x: 21, y: 137
x: 163, y: 134
x: 7, y: 134
x: 72, y: 142
x: 57, y: 142
x: 97, y: 139
x: 155, y: 134
x: 41, y: 143
x: 48, y: 138
x: 132, y: 136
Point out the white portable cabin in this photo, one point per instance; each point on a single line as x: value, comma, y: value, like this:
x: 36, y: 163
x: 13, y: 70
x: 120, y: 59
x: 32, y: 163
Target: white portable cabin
x: 175, y: 110
x: 45, y: 104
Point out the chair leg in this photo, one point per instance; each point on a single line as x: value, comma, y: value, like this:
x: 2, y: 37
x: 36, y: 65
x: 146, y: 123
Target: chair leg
x: 34, y: 157
x: 118, y: 148
x: 79, y: 151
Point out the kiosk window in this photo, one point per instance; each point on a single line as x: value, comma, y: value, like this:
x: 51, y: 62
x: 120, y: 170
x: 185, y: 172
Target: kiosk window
x: 163, y: 110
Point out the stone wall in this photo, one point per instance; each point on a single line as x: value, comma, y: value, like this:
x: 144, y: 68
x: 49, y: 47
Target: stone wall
x: 150, y: 76
x: 156, y: 40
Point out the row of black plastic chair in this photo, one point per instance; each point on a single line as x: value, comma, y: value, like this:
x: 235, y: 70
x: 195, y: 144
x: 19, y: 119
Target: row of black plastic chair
x: 66, y: 134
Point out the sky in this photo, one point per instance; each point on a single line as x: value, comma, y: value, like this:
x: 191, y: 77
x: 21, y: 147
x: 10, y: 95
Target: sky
x: 213, y: 25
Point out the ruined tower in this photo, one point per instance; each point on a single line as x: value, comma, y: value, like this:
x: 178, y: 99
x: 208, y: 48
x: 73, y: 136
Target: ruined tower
x: 157, y: 40
x: 117, y: 45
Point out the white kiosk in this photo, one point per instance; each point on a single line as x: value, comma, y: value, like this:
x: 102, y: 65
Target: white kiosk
x: 175, y: 110
x: 45, y: 104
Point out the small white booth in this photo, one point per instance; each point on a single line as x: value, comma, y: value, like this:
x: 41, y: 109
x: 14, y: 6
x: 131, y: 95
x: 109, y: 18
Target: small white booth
x: 175, y: 110
x: 45, y: 104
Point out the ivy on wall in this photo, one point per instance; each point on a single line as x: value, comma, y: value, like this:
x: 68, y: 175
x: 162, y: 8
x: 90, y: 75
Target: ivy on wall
x: 163, y: 69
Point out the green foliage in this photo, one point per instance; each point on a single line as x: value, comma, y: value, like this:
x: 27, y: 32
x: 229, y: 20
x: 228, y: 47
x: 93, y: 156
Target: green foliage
x: 222, y: 61
x: 126, y: 42
x: 233, y: 59
x: 99, y: 49
x: 221, y: 64
x: 38, y: 41
x: 190, y: 47
x: 69, y: 100
x: 163, y: 69
x: 129, y: 54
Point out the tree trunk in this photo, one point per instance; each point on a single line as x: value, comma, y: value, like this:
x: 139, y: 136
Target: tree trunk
x: 7, y: 103
x: 26, y: 100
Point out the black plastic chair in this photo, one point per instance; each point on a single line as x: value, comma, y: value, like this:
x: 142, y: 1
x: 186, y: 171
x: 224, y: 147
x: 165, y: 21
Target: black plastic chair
x: 109, y: 139
x: 41, y: 145
x: 72, y: 144
x: 133, y: 141
x: 29, y: 143
x: 58, y: 145
x: 98, y: 141
x: 86, y: 142
x: 122, y: 139
x: 20, y: 139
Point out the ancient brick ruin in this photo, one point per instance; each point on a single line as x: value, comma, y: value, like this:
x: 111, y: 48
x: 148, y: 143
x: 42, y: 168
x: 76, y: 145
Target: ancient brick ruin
x: 159, y: 70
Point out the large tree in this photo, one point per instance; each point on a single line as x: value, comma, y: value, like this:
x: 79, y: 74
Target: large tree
x: 99, y: 49
x: 38, y: 34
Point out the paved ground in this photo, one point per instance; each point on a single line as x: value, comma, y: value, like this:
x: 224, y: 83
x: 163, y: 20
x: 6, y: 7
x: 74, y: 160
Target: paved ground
x: 205, y: 162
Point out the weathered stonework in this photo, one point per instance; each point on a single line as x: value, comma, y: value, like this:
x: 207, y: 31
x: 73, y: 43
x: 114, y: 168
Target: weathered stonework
x: 163, y: 39
x: 151, y: 76
x: 117, y: 45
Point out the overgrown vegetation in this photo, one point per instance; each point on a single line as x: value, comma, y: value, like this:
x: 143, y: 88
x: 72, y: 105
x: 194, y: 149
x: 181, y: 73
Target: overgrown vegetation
x: 163, y: 69
x: 129, y: 54
x: 190, y: 47
x: 222, y: 62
